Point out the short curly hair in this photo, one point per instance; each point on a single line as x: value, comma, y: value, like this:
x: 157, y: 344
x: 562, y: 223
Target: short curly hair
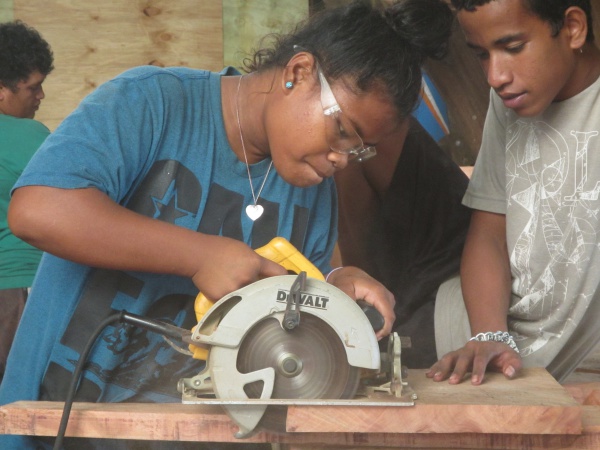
x: 551, y: 11
x: 22, y: 51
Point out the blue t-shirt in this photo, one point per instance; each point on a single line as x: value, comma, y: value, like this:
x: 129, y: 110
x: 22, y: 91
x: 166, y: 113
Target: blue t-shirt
x: 153, y: 140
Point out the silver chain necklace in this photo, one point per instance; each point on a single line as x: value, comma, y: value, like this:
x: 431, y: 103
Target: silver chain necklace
x: 252, y: 211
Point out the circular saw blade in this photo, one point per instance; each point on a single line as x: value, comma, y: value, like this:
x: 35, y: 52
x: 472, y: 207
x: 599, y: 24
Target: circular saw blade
x: 309, y: 361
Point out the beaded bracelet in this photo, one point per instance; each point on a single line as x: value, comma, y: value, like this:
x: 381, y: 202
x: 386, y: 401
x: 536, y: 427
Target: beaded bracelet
x: 498, y: 336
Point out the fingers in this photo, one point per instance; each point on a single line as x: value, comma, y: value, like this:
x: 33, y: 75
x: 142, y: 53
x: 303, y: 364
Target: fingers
x: 452, y: 367
x: 510, y: 364
x: 509, y: 372
x: 385, y: 305
x: 244, y: 266
x: 476, y: 357
x: 269, y: 268
x: 375, y: 294
x: 480, y: 363
x: 358, y: 285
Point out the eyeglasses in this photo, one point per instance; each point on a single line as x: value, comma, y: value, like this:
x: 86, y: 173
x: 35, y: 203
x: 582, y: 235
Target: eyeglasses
x: 341, y: 134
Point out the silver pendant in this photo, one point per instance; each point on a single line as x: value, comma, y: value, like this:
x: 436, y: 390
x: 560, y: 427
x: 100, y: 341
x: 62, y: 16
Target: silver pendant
x: 254, y: 211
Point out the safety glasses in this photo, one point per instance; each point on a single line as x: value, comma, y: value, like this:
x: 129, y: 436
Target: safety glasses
x: 341, y: 135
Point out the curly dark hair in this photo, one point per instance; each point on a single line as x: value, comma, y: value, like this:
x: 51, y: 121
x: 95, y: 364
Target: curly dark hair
x: 22, y: 51
x: 375, y: 48
x: 551, y: 11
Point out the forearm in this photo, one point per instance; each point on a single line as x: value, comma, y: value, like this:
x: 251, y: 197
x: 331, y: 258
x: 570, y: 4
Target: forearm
x: 85, y: 226
x: 485, y: 273
x: 486, y: 282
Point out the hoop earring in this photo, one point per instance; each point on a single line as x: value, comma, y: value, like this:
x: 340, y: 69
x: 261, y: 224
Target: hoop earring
x: 289, y: 85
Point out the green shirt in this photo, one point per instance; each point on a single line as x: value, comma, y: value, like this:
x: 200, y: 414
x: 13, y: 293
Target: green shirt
x: 19, y: 140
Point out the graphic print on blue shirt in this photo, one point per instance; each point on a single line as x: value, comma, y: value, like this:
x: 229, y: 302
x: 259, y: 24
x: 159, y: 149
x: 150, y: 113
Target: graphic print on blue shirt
x: 131, y: 364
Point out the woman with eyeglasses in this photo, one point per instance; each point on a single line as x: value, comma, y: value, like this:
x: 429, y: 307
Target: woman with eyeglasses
x: 163, y: 181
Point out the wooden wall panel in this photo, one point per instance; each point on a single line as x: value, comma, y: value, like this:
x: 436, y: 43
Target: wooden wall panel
x: 463, y: 87
x: 94, y: 41
x: 245, y: 22
x: 6, y: 10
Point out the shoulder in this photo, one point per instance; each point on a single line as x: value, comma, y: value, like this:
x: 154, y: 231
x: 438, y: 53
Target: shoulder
x: 153, y: 82
x: 30, y: 128
x: 164, y: 74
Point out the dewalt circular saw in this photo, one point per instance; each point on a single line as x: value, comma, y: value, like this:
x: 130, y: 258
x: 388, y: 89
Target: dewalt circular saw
x: 285, y: 340
x: 281, y: 338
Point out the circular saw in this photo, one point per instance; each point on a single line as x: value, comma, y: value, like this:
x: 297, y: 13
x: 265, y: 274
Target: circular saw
x: 282, y: 338
x: 279, y: 341
x: 285, y: 337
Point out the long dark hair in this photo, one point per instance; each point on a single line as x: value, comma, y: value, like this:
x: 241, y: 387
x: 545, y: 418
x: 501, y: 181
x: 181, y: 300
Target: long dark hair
x: 373, y: 47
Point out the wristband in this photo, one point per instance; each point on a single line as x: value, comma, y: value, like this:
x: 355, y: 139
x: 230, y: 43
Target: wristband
x: 498, y: 336
x: 333, y: 270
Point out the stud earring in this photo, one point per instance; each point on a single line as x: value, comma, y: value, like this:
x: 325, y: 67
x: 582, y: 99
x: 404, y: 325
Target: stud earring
x: 289, y: 85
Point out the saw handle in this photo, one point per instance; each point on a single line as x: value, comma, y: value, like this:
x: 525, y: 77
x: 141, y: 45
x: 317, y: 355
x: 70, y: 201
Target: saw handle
x: 277, y: 250
x: 375, y: 318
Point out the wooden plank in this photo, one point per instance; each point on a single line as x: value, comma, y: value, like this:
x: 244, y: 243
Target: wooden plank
x: 206, y: 424
x: 532, y: 404
x: 172, y: 422
x: 178, y: 422
x: 585, y: 393
x: 460, y: 442
x: 534, y: 394
x: 591, y: 419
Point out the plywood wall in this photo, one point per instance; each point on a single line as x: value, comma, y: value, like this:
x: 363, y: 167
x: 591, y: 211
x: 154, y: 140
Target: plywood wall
x: 463, y: 87
x: 245, y: 22
x: 6, y: 10
x: 94, y: 41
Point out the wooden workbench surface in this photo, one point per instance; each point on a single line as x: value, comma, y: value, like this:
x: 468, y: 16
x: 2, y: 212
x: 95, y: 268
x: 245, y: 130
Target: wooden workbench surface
x: 533, y: 412
x: 532, y: 404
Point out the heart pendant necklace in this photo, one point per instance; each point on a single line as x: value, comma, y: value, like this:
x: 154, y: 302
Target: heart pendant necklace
x: 252, y: 211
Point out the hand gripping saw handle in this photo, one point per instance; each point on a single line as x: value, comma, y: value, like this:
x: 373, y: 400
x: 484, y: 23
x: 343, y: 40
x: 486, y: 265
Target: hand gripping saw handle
x: 278, y: 250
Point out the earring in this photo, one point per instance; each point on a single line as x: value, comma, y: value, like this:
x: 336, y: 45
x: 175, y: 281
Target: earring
x: 289, y: 85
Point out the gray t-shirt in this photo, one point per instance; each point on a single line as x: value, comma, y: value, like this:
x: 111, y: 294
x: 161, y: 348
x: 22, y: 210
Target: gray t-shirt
x: 543, y: 173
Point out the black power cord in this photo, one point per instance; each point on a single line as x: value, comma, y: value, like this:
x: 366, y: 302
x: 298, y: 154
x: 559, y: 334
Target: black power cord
x: 162, y: 328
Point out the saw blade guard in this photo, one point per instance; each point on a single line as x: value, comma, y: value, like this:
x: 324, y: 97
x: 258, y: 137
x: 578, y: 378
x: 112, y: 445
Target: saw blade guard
x: 336, y: 332
x: 231, y: 318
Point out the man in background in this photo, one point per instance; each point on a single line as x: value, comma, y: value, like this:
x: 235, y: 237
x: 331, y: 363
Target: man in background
x: 25, y: 61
